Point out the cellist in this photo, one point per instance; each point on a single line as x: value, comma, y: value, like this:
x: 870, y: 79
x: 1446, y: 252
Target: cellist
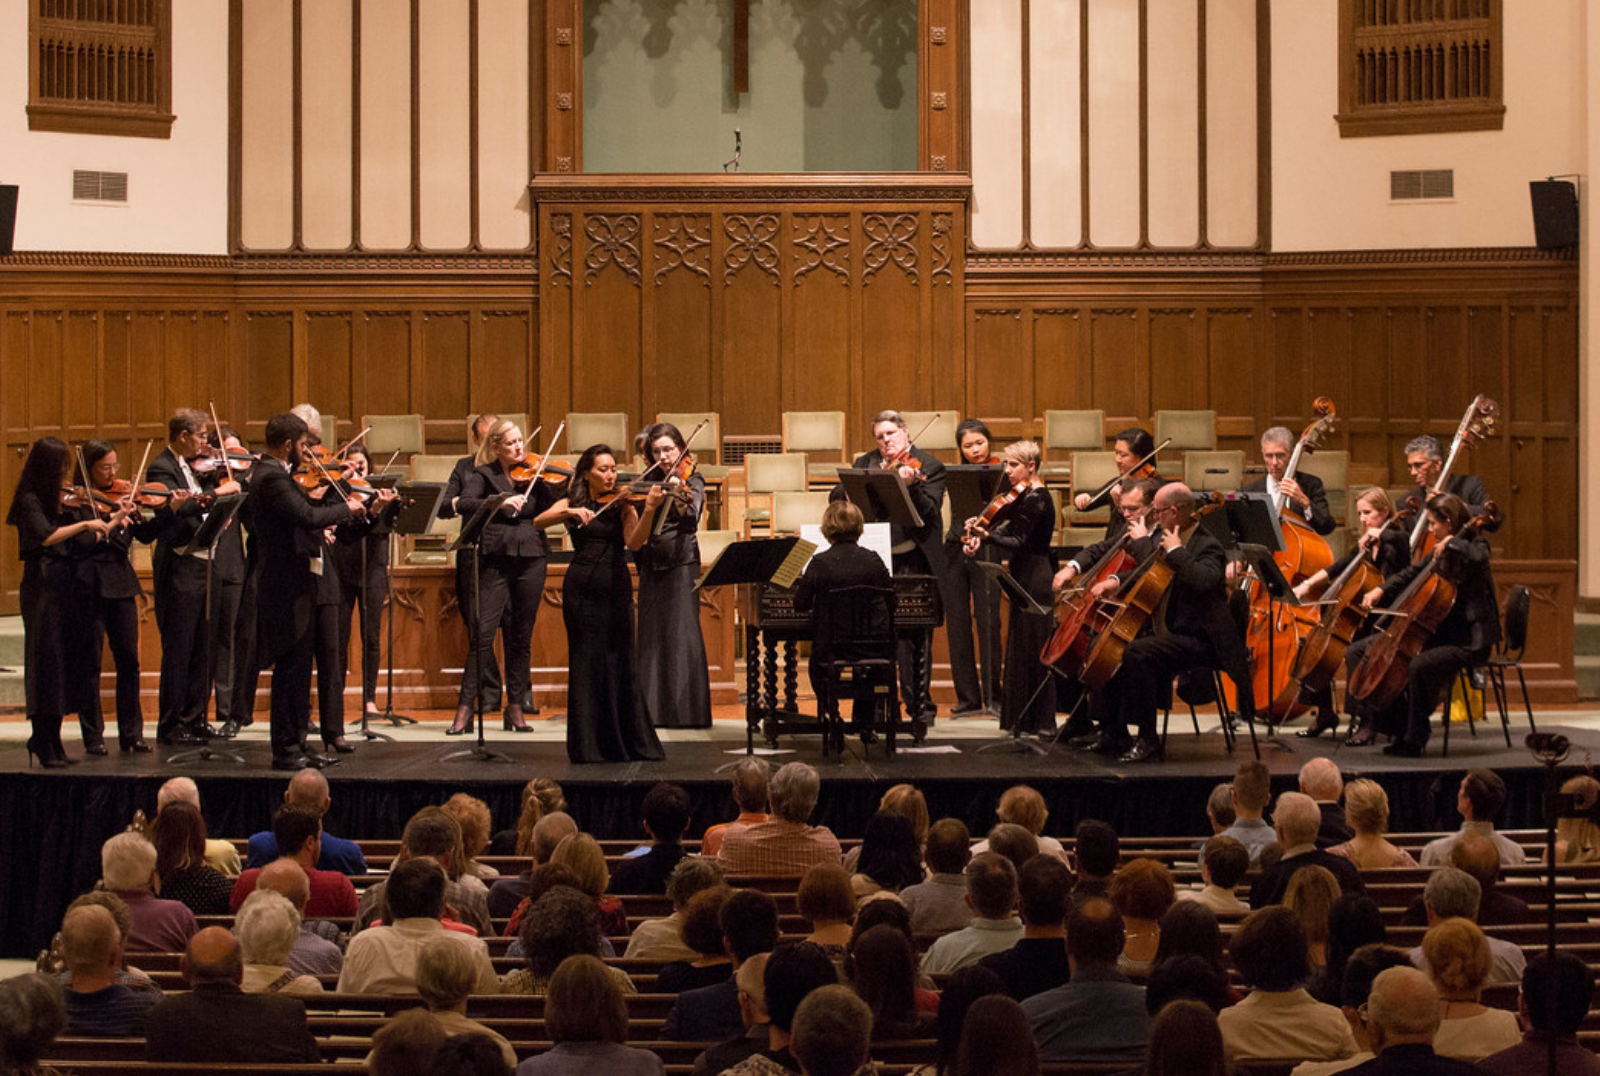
x: 1425, y: 461
x: 1304, y: 492
x: 1466, y: 635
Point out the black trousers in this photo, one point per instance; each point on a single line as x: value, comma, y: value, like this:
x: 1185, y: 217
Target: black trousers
x: 291, y: 694
x: 246, y: 664
x: 970, y: 595
x: 466, y: 604
x: 1144, y: 682
x: 226, y: 599
x: 511, y: 589
x: 330, y: 660
x: 180, y: 601
x: 370, y: 598
x: 114, y: 621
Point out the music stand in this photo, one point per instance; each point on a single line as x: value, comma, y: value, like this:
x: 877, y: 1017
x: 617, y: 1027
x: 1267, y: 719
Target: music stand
x: 1250, y: 529
x: 472, y: 534
x: 880, y: 495
x: 1018, y: 596
x: 970, y: 487
x: 221, y: 513
x: 404, y: 517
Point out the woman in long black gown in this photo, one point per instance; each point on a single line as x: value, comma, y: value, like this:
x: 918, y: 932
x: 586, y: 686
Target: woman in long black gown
x: 673, y: 683
x: 1028, y: 698
x: 604, y: 723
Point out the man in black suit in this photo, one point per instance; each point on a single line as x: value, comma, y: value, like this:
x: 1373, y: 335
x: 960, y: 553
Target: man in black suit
x: 290, y: 531
x: 1303, y: 494
x: 1296, y: 820
x: 180, y: 583
x: 1425, y: 461
x: 216, y: 1022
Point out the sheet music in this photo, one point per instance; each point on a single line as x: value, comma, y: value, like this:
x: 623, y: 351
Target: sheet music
x: 874, y: 536
x: 788, y: 572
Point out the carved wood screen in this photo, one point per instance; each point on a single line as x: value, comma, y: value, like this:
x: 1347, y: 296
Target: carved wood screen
x: 1420, y: 67
x: 749, y: 296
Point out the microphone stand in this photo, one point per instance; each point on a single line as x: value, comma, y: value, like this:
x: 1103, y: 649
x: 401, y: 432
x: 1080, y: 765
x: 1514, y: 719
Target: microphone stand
x: 472, y: 534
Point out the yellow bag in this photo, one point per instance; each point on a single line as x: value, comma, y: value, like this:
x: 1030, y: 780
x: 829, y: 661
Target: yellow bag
x: 1460, y: 700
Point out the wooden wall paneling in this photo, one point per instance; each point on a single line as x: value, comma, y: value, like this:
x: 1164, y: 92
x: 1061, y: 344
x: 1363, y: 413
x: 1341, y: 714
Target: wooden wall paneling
x: 677, y: 374
x: 1554, y: 521
x: 1553, y: 587
x: 442, y: 387
x: 503, y: 365
x: 148, y: 350
x: 1559, y: 353
x: 943, y: 90
x: 44, y: 382
x: 1061, y: 379
x: 330, y: 366
x: 16, y: 351
x: 383, y: 357
x: 1327, y: 371
x: 80, y: 360
x: 1231, y: 346
x: 183, y: 383
x: 944, y: 319
x: 1450, y: 387
x: 606, y: 359
x: 997, y: 343
x: 116, y: 370
x: 216, y: 363
x: 1121, y: 377
x: 269, y: 362
x: 563, y: 63
x: 557, y: 300
x: 1361, y: 409
x: 1279, y: 392
x: 758, y: 358
x: 1407, y: 399
x: 893, y: 263
x: 822, y: 250
x: 1177, y: 367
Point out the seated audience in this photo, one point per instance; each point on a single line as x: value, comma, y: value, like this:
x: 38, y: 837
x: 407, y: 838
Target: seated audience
x: 794, y: 970
x: 267, y: 926
x: 433, y: 834
x: 540, y: 797
x: 1143, y: 890
x: 1321, y: 780
x: 1366, y: 810
x: 446, y: 976
x: 128, y: 869
x: 886, y: 910
x: 581, y: 854
x: 52, y: 963
x: 1185, y: 1038
x: 883, y: 973
x: 751, y: 999
x: 217, y: 1022
x: 748, y: 926
x: 1479, y: 857
x: 1279, y: 1018
x: 1223, y: 864
x: 890, y: 856
x: 662, y: 939
x: 472, y: 815
x: 1021, y: 805
x: 383, y: 959
x: 1364, y: 965
x: 1295, y: 821
x: 1097, y: 851
x: 1190, y: 929
x: 750, y: 777
x: 1310, y: 897
x: 996, y: 1040
x: 1353, y: 922
x: 702, y: 932
x: 1038, y: 961
x: 587, y: 1019
x: 299, y: 829
x: 1577, y: 837
x: 547, y: 832
x: 1456, y: 957
x: 1252, y: 791
x: 1480, y: 799
x: 1557, y: 990
x: 832, y: 1033
x: 99, y: 1000
x: 939, y: 905
x: 406, y: 1044
x: 179, y: 835
x: 561, y: 923
x: 908, y: 802
x: 1098, y: 1015
x: 220, y: 854
x: 1454, y: 894
x: 992, y: 894
x: 1012, y: 841
x: 1186, y: 977
x: 827, y: 904
x: 316, y: 949
x: 32, y: 1014
x: 1219, y: 807
x: 787, y: 844
x: 665, y: 819
x: 308, y: 789
x: 1402, y: 1018
x: 472, y: 1054
x: 961, y: 991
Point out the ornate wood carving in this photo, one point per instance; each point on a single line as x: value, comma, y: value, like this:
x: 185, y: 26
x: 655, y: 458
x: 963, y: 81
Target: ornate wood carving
x: 822, y: 241
x: 561, y: 249
x: 943, y: 249
x: 752, y: 239
x: 891, y: 239
x: 613, y: 240
x: 682, y: 241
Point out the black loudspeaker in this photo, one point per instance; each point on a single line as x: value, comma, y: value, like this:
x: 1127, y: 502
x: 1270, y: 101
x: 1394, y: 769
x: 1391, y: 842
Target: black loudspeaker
x: 8, y: 217
x: 1555, y: 213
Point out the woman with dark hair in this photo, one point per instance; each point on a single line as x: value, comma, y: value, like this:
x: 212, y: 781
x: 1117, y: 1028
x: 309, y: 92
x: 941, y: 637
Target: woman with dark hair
x: 970, y: 596
x: 883, y: 973
x: 1189, y: 927
x: 473, y: 1054
x: 179, y: 835
x: 1187, y: 976
x: 32, y: 1013
x: 890, y: 857
x: 587, y: 1020
x: 1354, y: 920
x: 360, y: 558
x: 961, y: 991
x: 674, y: 687
x: 997, y: 1040
x: 603, y: 719
x: 43, y: 533
x: 701, y: 931
x: 1185, y: 1041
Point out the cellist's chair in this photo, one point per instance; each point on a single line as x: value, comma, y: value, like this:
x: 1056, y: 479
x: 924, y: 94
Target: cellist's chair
x: 1066, y: 432
x: 1187, y: 429
x: 1508, y: 655
x: 1219, y: 470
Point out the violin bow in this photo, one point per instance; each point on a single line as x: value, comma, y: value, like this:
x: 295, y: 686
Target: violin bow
x: 220, y: 454
x: 544, y: 461
x: 619, y: 498
x: 1106, y: 489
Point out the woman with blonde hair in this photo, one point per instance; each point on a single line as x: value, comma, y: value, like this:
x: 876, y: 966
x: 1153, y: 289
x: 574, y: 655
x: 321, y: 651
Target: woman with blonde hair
x: 1311, y: 893
x: 908, y: 802
x: 472, y: 815
x: 1366, y: 810
x: 1578, y: 838
x: 1457, y: 959
x: 581, y: 854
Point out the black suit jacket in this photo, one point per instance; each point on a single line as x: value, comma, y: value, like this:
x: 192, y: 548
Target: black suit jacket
x: 1473, y: 493
x: 927, y: 496
x: 174, y: 527
x: 217, y: 1022
x: 1321, y: 519
x: 837, y: 567
x: 1410, y: 1060
x: 452, y: 488
x: 289, y: 528
x: 505, y: 535
x: 1272, y: 884
x: 1474, y: 619
x: 1334, y: 829
x: 1197, y: 598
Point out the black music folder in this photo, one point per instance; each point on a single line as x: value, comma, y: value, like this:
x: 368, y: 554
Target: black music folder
x: 1245, y: 518
x: 1014, y: 590
x: 971, y: 486
x: 759, y: 560
x: 218, y: 516
x: 880, y: 496
x: 413, y: 511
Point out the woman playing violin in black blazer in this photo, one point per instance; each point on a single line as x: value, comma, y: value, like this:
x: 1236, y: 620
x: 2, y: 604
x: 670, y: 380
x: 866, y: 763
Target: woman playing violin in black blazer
x: 970, y: 596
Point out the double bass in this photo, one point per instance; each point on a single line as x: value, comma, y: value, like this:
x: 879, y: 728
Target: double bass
x: 1477, y: 423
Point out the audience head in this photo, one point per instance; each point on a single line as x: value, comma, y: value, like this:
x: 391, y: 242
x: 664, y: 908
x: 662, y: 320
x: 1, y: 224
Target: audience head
x: 1022, y: 805
x: 1354, y: 921
x: 289, y: 880
x: 540, y: 796
x: 472, y: 1054
x: 997, y: 1040
x: 1310, y: 896
x: 1402, y: 1008
x: 1186, y: 1041
x: 1185, y: 976
x: 991, y: 886
x: 1226, y: 861
x: 213, y: 956
x: 433, y: 832
x: 908, y: 801
x: 32, y: 1013
x: 1296, y: 820
x: 297, y: 831
x: 1143, y: 889
x: 546, y: 876
x: 562, y: 923
x: 127, y: 862
x: 91, y: 943
x: 794, y: 970
x: 1190, y: 929
x: 1556, y: 992
x: 961, y: 991
x: 104, y: 898
x: 794, y: 791
x: 690, y: 876
x: 1252, y: 788
x: 1577, y: 833
x: 825, y: 895
x: 581, y: 854
x: 949, y: 846
x: 1478, y: 856
x: 749, y: 923
x: 266, y: 926
x: 751, y: 776
x: 666, y: 812
x: 1458, y: 959
x: 414, y: 890
x: 750, y: 981
x: 1452, y: 893
x: 549, y: 831
x: 1219, y: 807
x: 1355, y: 985
x: 1044, y: 888
x: 446, y: 974
x: 1096, y: 848
x: 1269, y: 949
x: 1366, y: 807
x: 832, y: 1032
x: 702, y: 921
x: 472, y: 815
x: 179, y: 835
x: 178, y: 790
x: 883, y: 972
x: 879, y: 910
x: 406, y: 1044
x: 1014, y: 842
x: 891, y: 855
x: 309, y: 789
x: 1482, y: 796
x: 1095, y: 933
x: 1320, y: 779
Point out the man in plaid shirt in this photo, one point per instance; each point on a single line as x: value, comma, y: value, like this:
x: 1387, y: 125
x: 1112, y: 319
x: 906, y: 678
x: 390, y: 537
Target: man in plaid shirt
x: 787, y: 844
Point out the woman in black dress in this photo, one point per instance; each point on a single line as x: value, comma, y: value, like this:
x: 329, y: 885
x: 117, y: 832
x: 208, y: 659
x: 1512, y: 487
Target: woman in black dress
x: 673, y: 684
x: 47, y: 569
x: 1028, y: 701
x: 604, y: 723
x: 360, y: 559
x: 970, y: 596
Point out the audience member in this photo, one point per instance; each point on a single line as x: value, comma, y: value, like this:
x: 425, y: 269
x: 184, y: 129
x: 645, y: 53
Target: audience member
x: 1279, y: 1018
x: 887, y: 910
x: 832, y: 1032
x: 748, y: 927
x: 794, y: 970
x: 961, y: 991
x: 406, y: 1044
x: 217, y: 1022
x: 99, y: 1001
x: 702, y: 932
x: 1188, y: 977
x: 220, y: 854
x: 316, y: 949
x: 1480, y: 857
x: 750, y: 778
x: 547, y: 832
x: 1098, y: 1015
x: 665, y: 819
x: 1321, y: 780
x: 546, y: 877
x: 446, y: 976
x: 1402, y: 1018
x: 787, y: 844
x: 1038, y: 961
x: 587, y: 1019
x: 1219, y: 808
x: 540, y: 797
x: 1577, y: 836
x: 1097, y: 851
x: 1021, y: 805
x: 992, y: 895
x: 308, y: 789
x: 907, y: 802
x: 1454, y: 894
x: 128, y: 869
x: 1190, y: 929
x: 1295, y: 821
x: 1479, y: 800
x: 1143, y: 890
x: 1223, y: 864
x: 939, y: 905
x: 1557, y: 990
x: 472, y: 815
x: 471, y: 1054
x: 299, y: 829
x: 433, y: 834
x: 1014, y: 842
x: 662, y: 939
x: 581, y: 854
x: 996, y: 1040
x: 179, y: 835
x: 32, y: 1014
x: 1364, y: 965
x: 561, y: 923
x: 1185, y: 1040
x: 1366, y: 809
x: 1310, y: 897
x: 883, y: 973
x: 1354, y: 921
x: 383, y: 959
x: 267, y: 926
x: 826, y: 901
x: 890, y: 856
x: 1252, y: 791
x: 1456, y: 957
x: 753, y: 1035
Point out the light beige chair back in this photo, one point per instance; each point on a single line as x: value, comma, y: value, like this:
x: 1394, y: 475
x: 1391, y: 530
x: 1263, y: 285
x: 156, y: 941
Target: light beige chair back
x: 1067, y: 431
x: 712, y: 543
x: 585, y: 428
x: 393, y: 433
x: 768, y: 473
x: 1091, y: 470
x: 791, y: 510
x: 707, y: 446
x: 432, y: 468
x: 938, y: 437
x: 1217, y: 470
x: 1188, y: 429
x: 816, y: 433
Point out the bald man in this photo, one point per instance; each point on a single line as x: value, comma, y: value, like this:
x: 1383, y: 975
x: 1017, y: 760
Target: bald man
x: 309, y: 788
x: 1321, y: 780
x: 1402, y: 1019
x: 101, y: 998
x: 316, y: 949
x: 217, y: 1022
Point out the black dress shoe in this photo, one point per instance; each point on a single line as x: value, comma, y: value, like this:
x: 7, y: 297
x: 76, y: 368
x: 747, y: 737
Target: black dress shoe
x: 1141, y: 751
x: 228, y: 729
x: 513, y: 722
x: 97, y: 747
x: 177, y: 737
x: 203, y: 731
x: 1091, y: 741
x: 1402, y: 749
x: 134, y: 747
x: 340, y: 745
x: 295, y: 762
x: 962, y: 709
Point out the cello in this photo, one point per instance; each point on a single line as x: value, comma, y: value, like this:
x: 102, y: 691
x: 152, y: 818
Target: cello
x: 1477, y: 422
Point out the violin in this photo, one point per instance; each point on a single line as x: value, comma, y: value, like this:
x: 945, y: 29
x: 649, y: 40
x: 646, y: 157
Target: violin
x: 155, y: 495
x: 1144, y: 468
x: 999, y: 509
x: 905, y: 458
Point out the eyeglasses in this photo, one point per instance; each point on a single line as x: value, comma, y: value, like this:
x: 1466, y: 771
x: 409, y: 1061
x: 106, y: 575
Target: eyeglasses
x: 1361, y: 1012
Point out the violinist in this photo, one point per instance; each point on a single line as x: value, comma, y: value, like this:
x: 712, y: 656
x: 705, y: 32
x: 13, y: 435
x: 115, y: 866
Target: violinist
x: 228, y: 570
x: 970, y: 596
x: 604, y: 720
x: 290, y: 527
x: 1466, y: 635
x: 1425, y: 462
x: 673, y: 683
x: 1131, y: 445
x: 477, y: 430
x: 512, y: 562
x: 918, y: 551
x: 1304, y: 493
x: 43, y: 531
x: 105, y: 606
x: 1022, y: 530
x: 360, y: 560
x: 245, y: 670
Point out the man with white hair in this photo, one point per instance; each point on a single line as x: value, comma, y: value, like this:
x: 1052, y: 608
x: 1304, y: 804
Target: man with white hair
x: 787, y: 844
x: 99, y: 1001
x: 316, y: 947
x: 1454, y: 894
x: 1402, y: 1017
x: 1303, y: 494
x: 1296, y: 821
x: 309, y: 788
x: 1321, y: 780
x: 221, y: 854
x: 267, y: 926
x: 128, y: 868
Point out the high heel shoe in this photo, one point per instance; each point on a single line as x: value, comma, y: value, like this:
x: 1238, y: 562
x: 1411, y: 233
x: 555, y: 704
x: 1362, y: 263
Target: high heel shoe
x: 462, y: 724
x: 1318, y: 727
x: 1361, y: 736
x: 514, y: 722
x: 47, y: 759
